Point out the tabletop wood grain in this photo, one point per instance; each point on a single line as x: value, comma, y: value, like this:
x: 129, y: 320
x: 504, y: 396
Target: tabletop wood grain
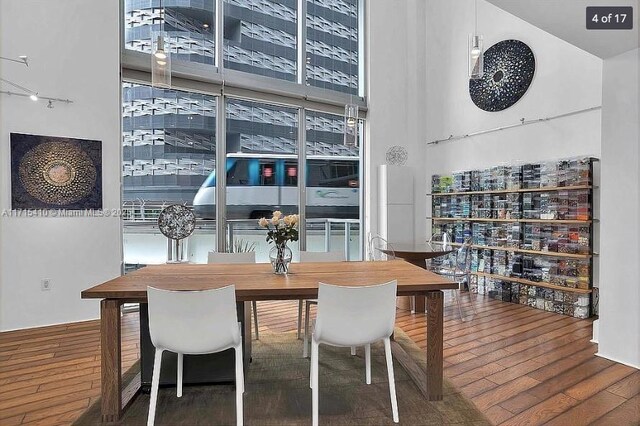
x: 256, y: 281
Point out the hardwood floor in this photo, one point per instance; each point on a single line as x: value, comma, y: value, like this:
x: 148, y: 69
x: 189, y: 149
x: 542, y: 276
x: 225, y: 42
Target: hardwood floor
x: 520, y: 366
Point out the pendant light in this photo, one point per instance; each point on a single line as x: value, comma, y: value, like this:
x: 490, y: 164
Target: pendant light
x: 161, y: 57
x: 476, y: 53
x: 350, y: 125
x: 350, y: 118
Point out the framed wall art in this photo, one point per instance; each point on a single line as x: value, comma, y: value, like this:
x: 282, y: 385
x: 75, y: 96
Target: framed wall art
x: 50, y: 172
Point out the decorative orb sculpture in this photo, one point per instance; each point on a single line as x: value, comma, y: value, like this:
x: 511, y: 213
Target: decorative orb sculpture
x: 396, y: 156
x: 509, y: 66
x: 176, y: 222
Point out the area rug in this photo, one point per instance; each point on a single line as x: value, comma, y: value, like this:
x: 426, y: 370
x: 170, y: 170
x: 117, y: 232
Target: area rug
x: 277, y: 392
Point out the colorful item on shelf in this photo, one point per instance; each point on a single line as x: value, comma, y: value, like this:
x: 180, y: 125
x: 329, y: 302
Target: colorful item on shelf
x: 541, y: 252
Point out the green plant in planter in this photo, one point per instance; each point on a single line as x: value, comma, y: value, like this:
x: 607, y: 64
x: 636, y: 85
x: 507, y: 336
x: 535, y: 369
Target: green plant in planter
x: 242, y: 246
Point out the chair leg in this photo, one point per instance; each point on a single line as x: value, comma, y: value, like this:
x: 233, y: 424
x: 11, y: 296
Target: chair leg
x: 254, y: 305
x: 180, y: 364
x: 367, y: 362
x: 239, y: 386
x: 314, y: 383
x: 155, y: 382
x: 300, y: 303
x: 353, y: 351
x: 305, y: 342
x: 456, y: 295
x: 473, y: 299
x: 392, y: 380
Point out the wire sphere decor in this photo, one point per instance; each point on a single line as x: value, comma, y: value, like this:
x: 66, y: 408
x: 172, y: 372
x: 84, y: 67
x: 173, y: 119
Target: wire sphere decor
x: 176, y: 222
x: 397, y: 155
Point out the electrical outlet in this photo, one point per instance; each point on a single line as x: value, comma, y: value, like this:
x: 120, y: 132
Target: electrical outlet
x: 46, y: 284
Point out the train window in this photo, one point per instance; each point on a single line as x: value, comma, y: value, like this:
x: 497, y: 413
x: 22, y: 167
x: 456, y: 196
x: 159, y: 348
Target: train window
x: 267, y: 173
x: 335, y: 174
x: 290, y: 174
x: 237, y: 172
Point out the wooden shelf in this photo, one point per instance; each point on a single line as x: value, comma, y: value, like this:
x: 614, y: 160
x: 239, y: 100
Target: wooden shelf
x: 536, y: 252
x: 513, y: 191
x: 534, y: 283
x: 477, y: 219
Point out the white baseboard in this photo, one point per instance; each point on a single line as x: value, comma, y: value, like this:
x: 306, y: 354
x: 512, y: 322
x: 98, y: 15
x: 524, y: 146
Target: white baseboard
x: 617, y: 360
x: 596, y: 330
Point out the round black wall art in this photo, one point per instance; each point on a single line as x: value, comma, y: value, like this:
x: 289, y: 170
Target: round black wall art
x: 509, y: 66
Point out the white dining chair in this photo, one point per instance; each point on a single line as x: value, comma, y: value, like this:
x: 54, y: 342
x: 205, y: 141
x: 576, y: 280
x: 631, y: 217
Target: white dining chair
x: 194, y: 323
x: 354, y: 316
x: 315, y: 256
x: 243, y: 257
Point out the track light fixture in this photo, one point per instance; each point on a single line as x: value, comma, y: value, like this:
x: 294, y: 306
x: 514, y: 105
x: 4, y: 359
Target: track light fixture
x: 26, y: 92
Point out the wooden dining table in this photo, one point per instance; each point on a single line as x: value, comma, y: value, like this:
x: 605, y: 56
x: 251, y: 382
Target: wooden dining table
x: 417, y: 254
x: 254, y: 282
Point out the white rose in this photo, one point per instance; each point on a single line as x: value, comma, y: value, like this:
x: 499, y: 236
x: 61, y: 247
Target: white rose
x: 263, y: 222
x: 277, y: 214
x: 275, y: 220
x: 288, y: 220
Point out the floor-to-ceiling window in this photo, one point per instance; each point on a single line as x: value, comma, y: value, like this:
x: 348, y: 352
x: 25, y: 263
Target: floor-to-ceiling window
x: 168, y: 154
x: 285, y: 66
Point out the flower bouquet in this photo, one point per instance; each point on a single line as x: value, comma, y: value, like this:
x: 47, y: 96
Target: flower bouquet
x: 280, y: 230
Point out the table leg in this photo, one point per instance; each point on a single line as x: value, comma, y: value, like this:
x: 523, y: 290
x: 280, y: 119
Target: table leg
x: 419, y: 301
x: 435, y: 347
x: 111, y: 370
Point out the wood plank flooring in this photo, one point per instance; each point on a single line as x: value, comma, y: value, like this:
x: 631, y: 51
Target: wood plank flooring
x: 520, y: 366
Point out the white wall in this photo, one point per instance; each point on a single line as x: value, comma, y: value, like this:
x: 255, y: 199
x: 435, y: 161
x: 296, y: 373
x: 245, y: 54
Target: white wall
x: 566, y: 79
x: 396, y: 65
x: 619, y: 334
x: 74, y: 53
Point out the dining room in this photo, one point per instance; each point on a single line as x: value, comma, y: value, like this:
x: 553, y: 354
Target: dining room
x: 296, y: 212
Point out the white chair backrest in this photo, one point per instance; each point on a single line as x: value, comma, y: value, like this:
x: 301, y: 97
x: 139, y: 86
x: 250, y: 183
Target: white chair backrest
x: 463, y: 256
x: 246, y: 257
x: 440, y: 242
x: 193, y: 322
x: 354, y: 316
x: 321, y: 256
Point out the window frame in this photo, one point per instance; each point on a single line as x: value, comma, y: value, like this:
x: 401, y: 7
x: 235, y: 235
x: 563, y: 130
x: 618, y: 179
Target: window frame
x: 233, y: 79
x: 227, y: 84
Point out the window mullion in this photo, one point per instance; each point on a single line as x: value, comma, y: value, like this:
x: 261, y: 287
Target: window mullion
x: 221, y: 174
x: 219, y: 36
x: 302, y: 42
x: 302, y: 178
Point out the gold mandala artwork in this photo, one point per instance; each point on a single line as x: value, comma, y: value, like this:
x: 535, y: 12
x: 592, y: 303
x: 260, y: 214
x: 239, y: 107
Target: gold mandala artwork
x: 58, y: 173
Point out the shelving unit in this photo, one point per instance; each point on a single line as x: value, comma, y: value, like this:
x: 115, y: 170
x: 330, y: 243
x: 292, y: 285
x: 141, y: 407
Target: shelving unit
x: 511, y: 191
x: 531, y: 228
x: 536, y: 252
x: 477, y: 219
x: 533, y: 283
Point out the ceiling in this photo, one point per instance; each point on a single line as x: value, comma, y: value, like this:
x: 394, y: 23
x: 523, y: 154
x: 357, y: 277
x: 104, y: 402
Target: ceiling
x: 566, y: 19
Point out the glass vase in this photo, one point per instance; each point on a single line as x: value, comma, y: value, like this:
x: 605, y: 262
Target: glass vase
x: 280, y: 256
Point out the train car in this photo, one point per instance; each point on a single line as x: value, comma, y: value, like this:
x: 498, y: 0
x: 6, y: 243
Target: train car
x: 257, y: 185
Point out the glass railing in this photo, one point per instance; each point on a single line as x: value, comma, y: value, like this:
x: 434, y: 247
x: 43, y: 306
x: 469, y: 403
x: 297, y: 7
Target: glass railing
x: 144, y: 243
